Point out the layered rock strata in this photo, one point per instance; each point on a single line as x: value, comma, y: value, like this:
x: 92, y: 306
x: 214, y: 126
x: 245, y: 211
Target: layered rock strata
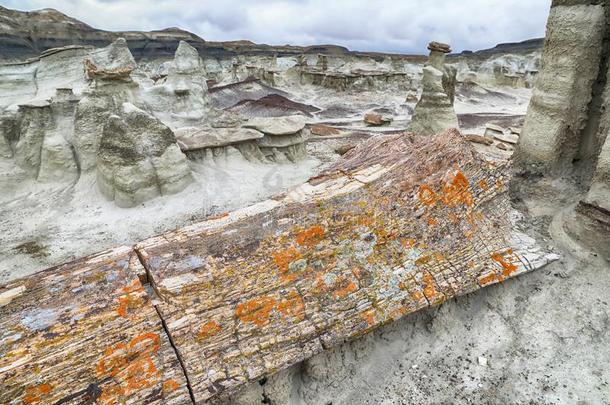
x: 565, y: 131
x: 400, y: 224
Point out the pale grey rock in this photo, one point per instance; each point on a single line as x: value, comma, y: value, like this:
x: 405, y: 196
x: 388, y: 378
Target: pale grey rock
x: 282, y: 141
x: 192, y: 138
x: 492, y: 130
x: 57, y: 162
x: 277, y: 125
x: 434, y: 112
x: 36, y: 118
x: 138, y: 159
x: 558, y: 109
x: 507, y: 138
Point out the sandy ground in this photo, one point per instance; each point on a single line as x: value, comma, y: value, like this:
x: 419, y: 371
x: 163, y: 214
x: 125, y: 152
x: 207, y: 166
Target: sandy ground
x: 43, y: 225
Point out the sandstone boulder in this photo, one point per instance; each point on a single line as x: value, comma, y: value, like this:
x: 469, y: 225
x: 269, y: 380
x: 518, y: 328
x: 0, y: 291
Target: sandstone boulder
x: 139, y: 159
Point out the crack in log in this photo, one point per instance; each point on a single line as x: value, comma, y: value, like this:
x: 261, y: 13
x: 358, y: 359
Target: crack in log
x: 150, y: 281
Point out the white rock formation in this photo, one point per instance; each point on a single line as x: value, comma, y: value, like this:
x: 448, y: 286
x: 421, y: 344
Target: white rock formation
x: 139, y: 159
x: 434, y: 112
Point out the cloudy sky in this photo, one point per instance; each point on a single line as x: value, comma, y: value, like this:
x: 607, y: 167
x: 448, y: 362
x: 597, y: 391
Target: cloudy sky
x: 372, y: 25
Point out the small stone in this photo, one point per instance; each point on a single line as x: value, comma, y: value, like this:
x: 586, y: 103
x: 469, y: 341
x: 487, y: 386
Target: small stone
x: 482, y: 361
x: 343, y: 149
x: 502, y: 146
x: 375, y: 119
x: 491, y: 130
x: 324, y: 130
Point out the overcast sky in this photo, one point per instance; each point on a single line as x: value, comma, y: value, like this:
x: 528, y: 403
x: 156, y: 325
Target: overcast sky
x: 371, y: 25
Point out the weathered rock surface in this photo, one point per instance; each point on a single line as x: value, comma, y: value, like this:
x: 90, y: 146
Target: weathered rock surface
x: 564, y: 139
x: 86, y: 332
x: 277, y: 126
x: 139, y: 159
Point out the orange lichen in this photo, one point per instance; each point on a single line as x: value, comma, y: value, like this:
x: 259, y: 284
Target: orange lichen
x: 369, y: 317
x: 499, y: 184
x: 37, y: 393
x: 130, y: 299
x: 346, y: 287
x: 508, y: 268
x: 429, y: 287
x: 130, y: 365
x: 427, y: 196
x: 488, y: 279
x: 432, y: 221
x: 293, y: 306
x: 208, y: 329
x: 457, y: 191
x: 170, y: 386
x: 283, y: 258
x: 483, y: 184
x: 310, y: 237
x: 256, y: 311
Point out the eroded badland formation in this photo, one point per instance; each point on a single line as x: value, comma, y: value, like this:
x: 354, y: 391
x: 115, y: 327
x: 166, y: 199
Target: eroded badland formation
x: 327, y: 220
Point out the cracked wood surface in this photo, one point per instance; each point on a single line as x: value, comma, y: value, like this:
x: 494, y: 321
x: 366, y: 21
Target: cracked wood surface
x: 83, y: 333
x: 399, y: 224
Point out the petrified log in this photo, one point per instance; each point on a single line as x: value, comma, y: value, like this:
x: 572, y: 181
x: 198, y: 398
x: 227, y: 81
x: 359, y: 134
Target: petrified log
x: 86, y: 332
x: 399, y: 224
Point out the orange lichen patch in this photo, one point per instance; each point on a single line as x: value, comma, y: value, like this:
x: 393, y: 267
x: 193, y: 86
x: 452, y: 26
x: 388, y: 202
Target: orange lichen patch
x: 488, y: 278
x: 37, y: 393
x: 131, y: 367
x: 483, y: 184
x: 255, y: 311
x: 208, y: 329
x: 508, y: 268
x: 429, y: 287
x: 345, y: 288
x: 432, y: 221
x: 293, y: 306
x: 310, y: 237
x: 456, y: 191
x: 427, y: 196
x: 283, y: 258
x: 130, y: 299
x: 499, y: 184
x: 170, y: 386
x: 369, y: 317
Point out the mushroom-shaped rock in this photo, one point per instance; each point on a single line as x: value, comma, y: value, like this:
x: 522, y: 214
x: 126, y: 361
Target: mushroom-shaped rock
x: 434, y: 112
x: 139, y: 159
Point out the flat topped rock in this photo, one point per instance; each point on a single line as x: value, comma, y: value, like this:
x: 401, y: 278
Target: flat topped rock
x: 507, y: 138
x: 86, y: 332
x: 192, y: 138
x: 439, y: 47
x: 494, y: 127
x: 277, y: 125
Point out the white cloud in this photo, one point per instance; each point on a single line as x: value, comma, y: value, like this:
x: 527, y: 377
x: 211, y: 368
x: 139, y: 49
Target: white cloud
x: 375, y: 25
